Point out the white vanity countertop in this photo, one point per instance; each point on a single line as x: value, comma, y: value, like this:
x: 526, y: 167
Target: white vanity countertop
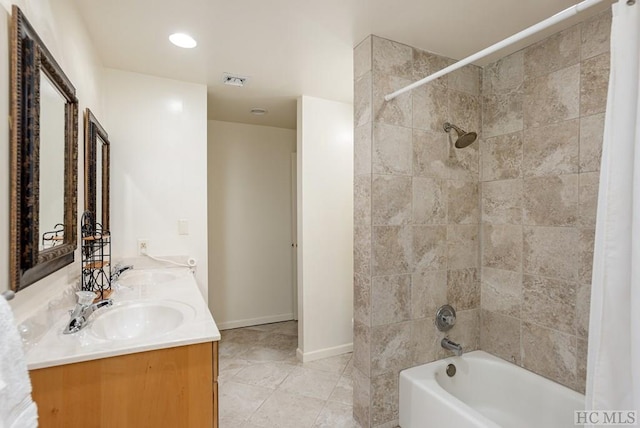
x: 55, y: 348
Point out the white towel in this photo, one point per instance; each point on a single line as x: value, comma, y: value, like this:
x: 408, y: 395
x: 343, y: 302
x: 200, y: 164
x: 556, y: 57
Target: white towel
x: 17, y: 409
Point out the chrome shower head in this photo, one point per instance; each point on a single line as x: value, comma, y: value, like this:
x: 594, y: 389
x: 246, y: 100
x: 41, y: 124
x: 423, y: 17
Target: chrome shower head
x: 464, y: 138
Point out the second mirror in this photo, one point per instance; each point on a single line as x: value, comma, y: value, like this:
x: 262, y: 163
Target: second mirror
x: 96, y: 170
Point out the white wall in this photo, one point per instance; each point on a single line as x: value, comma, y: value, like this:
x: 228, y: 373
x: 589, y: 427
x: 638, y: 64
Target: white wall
x: 325, y: 227
x: 62, y: 30
x: 250, y: 224
x: 157, y: 143
x: 158, y: 133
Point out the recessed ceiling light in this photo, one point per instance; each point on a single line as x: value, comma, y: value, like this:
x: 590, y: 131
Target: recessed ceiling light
x: 259, y: 111
x: 183, y: 40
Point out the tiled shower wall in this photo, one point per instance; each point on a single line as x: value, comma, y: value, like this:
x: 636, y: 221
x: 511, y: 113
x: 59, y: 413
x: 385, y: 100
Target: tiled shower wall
x: 543, y: 120
x: 416, y: 219
x: 520, y: 279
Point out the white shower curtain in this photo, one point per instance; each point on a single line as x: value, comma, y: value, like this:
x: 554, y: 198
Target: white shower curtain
x: 613, y: 367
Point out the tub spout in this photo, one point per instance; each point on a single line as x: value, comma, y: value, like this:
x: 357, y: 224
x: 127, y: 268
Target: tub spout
x: 451, y: 345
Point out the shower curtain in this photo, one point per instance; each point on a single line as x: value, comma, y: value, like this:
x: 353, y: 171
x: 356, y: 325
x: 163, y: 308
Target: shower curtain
x: 613, y: 367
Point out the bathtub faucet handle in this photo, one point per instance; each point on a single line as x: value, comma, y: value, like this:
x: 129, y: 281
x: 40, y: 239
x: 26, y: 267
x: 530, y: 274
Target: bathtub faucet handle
x: 448, y: 319
x: 445, y: 318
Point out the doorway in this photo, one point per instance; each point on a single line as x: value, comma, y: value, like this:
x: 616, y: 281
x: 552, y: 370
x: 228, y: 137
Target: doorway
x: 251, y: 224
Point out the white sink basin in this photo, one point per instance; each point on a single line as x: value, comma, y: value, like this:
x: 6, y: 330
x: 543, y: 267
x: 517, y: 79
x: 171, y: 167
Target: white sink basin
x: 132, y: 320
x: 138, y: 277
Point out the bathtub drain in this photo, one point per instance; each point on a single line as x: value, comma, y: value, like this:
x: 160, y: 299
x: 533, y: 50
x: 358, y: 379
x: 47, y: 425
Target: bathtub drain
x: 451, y: 370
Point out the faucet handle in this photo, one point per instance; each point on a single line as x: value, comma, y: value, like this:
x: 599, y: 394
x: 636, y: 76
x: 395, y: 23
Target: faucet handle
x: 85, y: 297
x: 448, y: 319
x: 445, y: 318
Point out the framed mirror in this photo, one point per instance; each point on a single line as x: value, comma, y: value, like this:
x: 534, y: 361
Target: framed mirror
x: 96, y: 170
x: 44, y: 159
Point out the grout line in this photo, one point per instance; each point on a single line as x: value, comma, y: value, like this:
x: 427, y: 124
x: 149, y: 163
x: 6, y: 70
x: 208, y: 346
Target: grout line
x: 316, y: 420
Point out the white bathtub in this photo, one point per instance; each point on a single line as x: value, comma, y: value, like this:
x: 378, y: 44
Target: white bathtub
x: 485, y: 392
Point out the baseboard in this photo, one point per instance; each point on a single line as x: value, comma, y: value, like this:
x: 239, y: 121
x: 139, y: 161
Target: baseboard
x: 306, y: 357
x: 228, y: 325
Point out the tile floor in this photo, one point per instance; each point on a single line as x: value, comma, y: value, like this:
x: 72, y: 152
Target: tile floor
x: 263, y: 385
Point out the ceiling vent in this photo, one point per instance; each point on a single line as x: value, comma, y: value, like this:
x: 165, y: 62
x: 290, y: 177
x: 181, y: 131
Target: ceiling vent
x: 234, y: 79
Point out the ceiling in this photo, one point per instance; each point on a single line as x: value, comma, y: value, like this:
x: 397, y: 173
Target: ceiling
x: 292, y: 47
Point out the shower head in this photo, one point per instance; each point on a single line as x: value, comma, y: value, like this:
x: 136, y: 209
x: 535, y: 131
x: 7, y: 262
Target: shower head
x: 464, y: 138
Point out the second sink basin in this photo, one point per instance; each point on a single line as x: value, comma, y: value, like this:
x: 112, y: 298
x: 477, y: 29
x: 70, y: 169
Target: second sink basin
x: 148, y: 319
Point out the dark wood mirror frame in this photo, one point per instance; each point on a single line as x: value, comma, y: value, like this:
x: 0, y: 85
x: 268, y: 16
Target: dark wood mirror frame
x: 93, y: 133
x: 29, y: 57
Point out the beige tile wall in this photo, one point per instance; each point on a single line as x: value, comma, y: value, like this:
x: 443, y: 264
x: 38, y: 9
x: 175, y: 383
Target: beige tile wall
x: 503, y: 230
x: 543, y: 119
x: 417, y: 219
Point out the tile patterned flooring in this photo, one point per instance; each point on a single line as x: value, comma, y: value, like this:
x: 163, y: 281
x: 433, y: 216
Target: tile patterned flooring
x: 263, y: 385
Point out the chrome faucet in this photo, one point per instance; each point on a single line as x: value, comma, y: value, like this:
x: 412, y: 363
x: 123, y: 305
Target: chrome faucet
x: 84, y: 308
x: 451, y: 345
x: 118, y: 269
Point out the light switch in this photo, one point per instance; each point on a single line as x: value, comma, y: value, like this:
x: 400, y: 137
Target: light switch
x: 183, y: 226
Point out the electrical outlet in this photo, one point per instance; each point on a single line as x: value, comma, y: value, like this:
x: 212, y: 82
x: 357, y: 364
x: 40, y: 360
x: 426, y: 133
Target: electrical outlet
x: 143, y: 246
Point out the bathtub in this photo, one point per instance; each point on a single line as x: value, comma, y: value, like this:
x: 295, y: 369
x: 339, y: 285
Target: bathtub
x: 485, y: 392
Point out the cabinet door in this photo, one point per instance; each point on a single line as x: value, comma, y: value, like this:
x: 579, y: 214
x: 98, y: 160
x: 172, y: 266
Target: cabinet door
x: 215, y: 385
x: 171, y: 387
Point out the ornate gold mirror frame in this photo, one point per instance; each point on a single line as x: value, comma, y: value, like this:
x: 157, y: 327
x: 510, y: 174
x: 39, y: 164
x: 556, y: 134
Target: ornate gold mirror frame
x: 29, y: 59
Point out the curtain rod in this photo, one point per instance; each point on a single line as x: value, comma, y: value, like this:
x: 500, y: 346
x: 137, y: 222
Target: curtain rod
x: 558, y: 17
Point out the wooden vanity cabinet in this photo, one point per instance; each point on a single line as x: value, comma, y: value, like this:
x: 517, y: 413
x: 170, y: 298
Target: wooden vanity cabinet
x: 172, y: 387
